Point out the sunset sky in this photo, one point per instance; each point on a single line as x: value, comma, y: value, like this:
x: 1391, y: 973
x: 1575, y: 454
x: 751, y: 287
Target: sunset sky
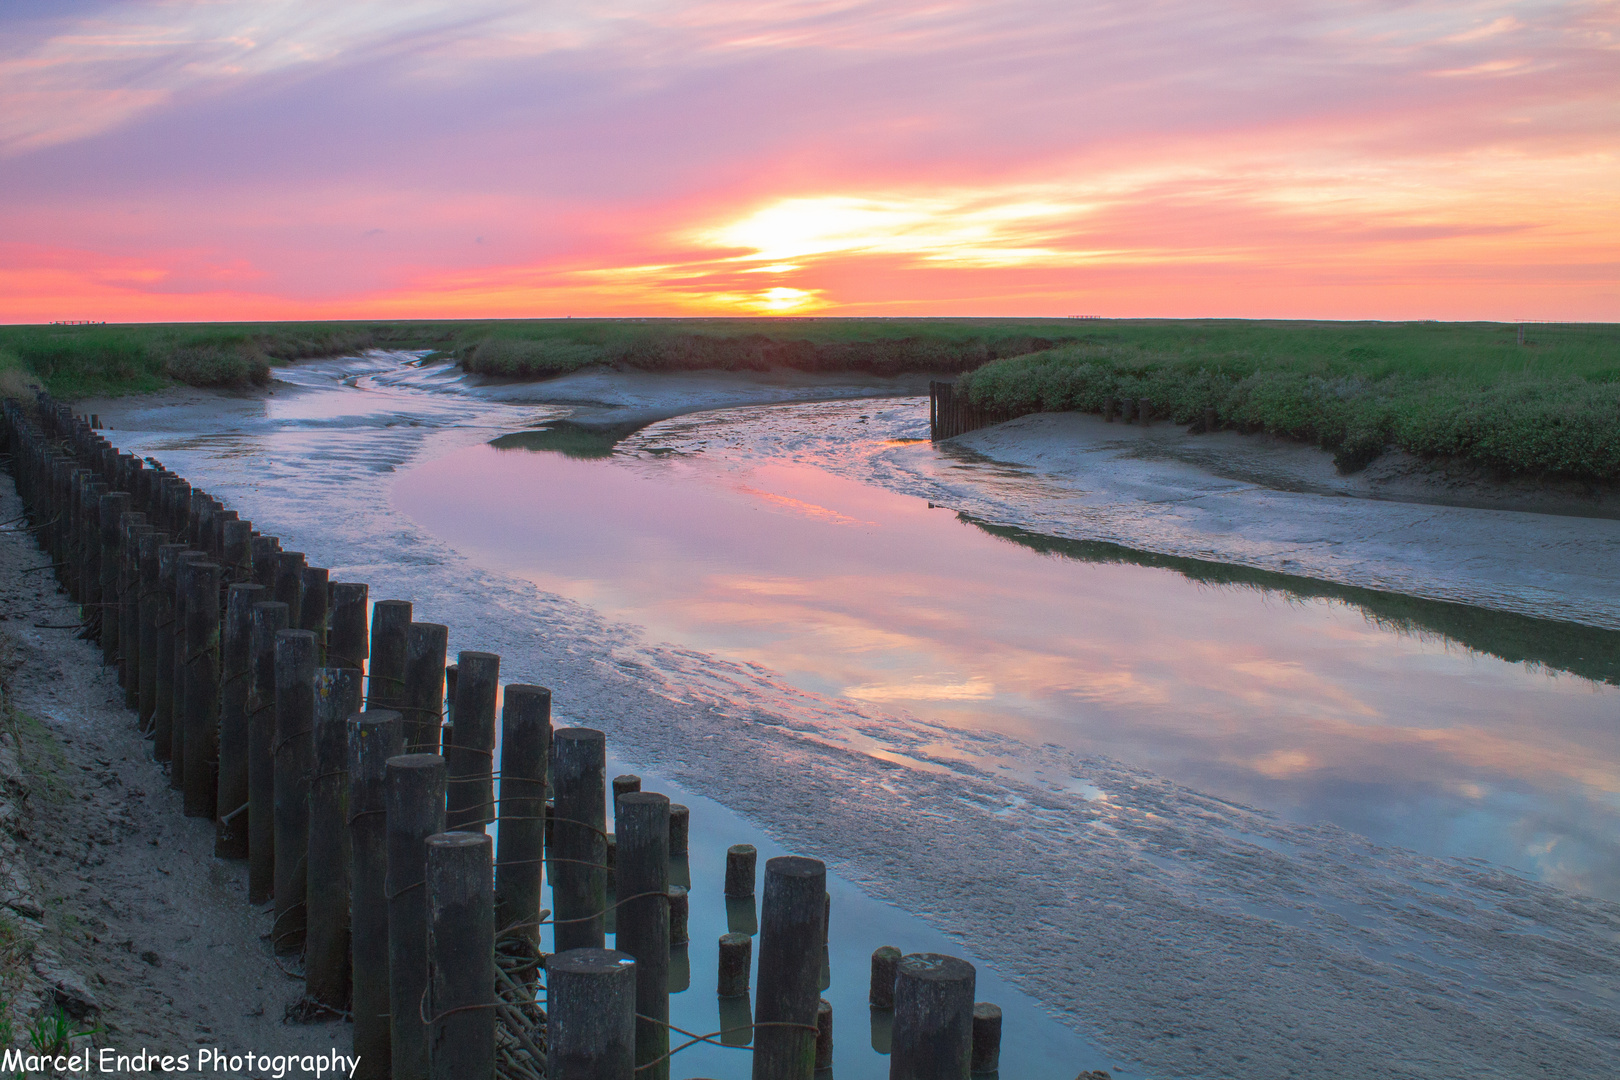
x: 1249, y: 158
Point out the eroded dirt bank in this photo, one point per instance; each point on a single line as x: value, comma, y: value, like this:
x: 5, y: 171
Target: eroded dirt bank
x: 114, y: 907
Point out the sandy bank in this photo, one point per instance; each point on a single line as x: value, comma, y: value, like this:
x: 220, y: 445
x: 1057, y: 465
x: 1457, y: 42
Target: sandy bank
x: 124, y: 915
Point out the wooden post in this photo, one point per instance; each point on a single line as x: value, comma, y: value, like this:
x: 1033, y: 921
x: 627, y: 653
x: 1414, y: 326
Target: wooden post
x: 180, y: 728
x: 525, y: 750
x: 236, y: 550
x: 385, y: 687
x: 885, y: 968
x: 642, y: 920
x: 591, y: 1015
x: 741, y: 860
x: 346, y: 641
x: 789, y: 968
x: 461, y: 956
x: 266, y: 562
x: 414, y: 793
x: 374, y: 736
x: 312, y: 609
x: 163, y: 675
x: 326, y: 891
x: 933, y: 1018
x: 150, y: 613
x: 579, y: 848
x: 469, y: 754
x: 736, y: 965
x: 114, y: 505
x: 986, y: 1038
x: 201, y: 642
x: 423, y: 704
x: 236, y: 653
x: 289, y: 588
x: 269, y: 619
x: 680, y: 825
x: 294, y: 748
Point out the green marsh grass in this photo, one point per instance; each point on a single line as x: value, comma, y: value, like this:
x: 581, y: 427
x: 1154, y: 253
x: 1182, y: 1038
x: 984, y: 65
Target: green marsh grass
x: 1466, y: 391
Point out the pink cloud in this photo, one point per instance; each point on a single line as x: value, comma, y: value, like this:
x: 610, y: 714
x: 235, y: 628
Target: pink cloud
x: 1031, y: 157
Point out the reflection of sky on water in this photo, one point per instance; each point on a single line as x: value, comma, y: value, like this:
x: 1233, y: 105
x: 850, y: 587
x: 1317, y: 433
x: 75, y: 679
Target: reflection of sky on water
x: 1303, y: 706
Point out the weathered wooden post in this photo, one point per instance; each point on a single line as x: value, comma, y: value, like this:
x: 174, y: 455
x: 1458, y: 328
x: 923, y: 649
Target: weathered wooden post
x: 1144, y: 411
x: 163, y: 675
x: 986, y: 1038
x: 200, y: 581
x: 933, y: 1018
x: 294, y: 748
x: 236, y: 550
x: 326, y: 950
x: 266, y: 563
x: 346, y: 642
x: 423, y: 704
x: 313, y: 604
x: 461, y: 956
x: 374, y: 736
x: 680, y: 824
x: 414, y: 794
x: 736, y: 965
x: 150, y: 613
x: 885, y: 968
x: 289, y: 587
x: 269, y: 619
x: 469, y: 753
x: 591, y: 1015
x: 525, y: 750
x: 114, y: 505
x: 579, y: 848
x: 741, y: 863
x: 131, y: 529
x: 643, y: 920
x: 385, y: 685
x: 789, y: 968
x: 236, y: 654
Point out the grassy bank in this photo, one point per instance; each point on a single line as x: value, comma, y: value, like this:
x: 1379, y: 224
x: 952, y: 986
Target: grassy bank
x: 1467, y: 392
x: 78, y: 361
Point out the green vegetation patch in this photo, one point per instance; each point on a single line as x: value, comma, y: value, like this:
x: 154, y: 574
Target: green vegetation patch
x: 1470, y: 392
x: 79, y: 361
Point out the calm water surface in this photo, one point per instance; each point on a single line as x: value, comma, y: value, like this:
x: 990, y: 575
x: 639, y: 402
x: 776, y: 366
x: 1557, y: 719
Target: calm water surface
x: 1307, y: 706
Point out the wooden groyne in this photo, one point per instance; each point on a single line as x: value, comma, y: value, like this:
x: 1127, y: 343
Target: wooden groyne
x: 357, y: 783
x: 951, y: 414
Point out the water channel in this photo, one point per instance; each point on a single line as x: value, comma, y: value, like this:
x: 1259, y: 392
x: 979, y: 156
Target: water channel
x: 1188, y: 819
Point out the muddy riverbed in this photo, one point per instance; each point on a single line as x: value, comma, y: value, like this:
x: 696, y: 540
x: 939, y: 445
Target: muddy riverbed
x: 1210, y: 777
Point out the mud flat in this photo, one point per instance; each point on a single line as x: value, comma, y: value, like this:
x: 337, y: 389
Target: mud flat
x: 1249, y: 501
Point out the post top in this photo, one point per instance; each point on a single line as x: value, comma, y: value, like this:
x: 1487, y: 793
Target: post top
x: 936, y: 967
x: 578, y: 734
x: 590, y: 962
x: 795, y: 866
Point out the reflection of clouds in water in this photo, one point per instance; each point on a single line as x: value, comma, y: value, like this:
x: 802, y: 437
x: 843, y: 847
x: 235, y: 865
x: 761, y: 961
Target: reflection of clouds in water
x: 972, y: 690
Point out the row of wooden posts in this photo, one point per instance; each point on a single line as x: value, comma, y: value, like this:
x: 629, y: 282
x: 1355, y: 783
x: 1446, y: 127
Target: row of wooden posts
x: 951, y: 414
x: 353, y: 770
